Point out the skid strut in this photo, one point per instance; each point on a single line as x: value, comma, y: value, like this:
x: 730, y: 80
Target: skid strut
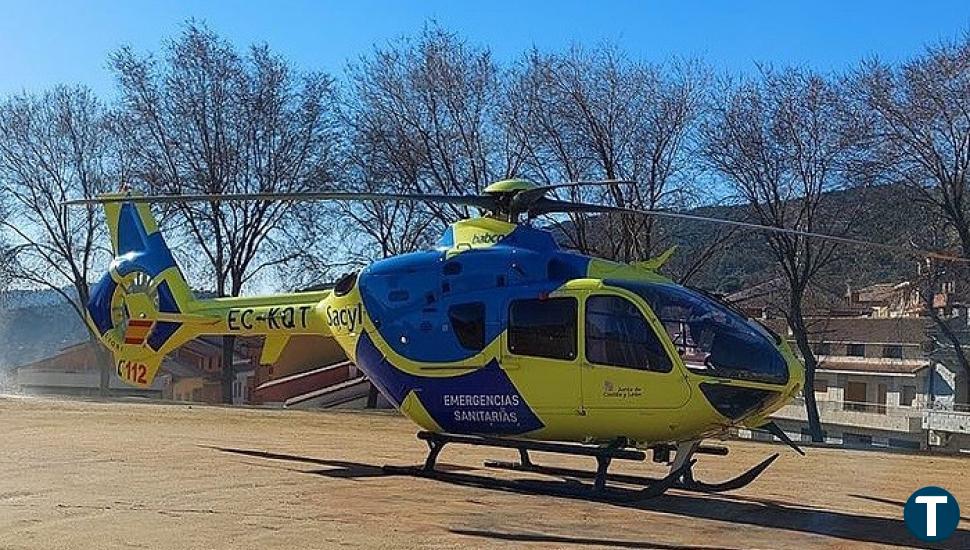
x: 434, y: 449
x: 604, y: 455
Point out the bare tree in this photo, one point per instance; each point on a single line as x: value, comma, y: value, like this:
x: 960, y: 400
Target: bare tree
x: 6, y: 254
x: 784, y: 141
x: 597, y: 114
x: 921, y: 138
x: 207, y: 119
x: 422, y: 116
x: 53, y: 147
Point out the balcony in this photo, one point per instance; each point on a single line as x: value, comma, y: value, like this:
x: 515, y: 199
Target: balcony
x: 882, y: 417
x: 864, y: 415
x: 946, y: 421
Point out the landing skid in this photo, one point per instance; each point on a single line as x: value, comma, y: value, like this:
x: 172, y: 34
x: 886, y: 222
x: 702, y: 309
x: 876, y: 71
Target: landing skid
x: 569, y: 489
x: 680, y: 475
x: 686, y: 482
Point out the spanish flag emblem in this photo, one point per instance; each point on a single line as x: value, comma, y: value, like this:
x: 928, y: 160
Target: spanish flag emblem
x: 137, y: 331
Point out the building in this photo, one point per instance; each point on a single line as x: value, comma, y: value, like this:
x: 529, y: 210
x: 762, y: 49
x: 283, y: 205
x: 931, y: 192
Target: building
x: 191, y: 373
x: 205, y: 355
x: 872, y: 381
x: 887, y: 300
x: 878, y: 384
x: 769, y: 300
x: 74, y: 371
x: 310, y: 371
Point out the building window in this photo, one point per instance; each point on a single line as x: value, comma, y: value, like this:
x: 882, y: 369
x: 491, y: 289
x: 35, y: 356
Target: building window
x: 908, y: 396
x: 882, y: 391
x: 468, y: 322
x: 821, y: 385
x: 855, y: 350
x: 892, y: 352
x: 618, y: 334
x: 823, y: 348
x: 543, y: 328
x: 855, y: 397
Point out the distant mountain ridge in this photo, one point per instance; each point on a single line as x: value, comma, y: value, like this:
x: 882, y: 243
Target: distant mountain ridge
x: 22, y: 298
x: 890, y: 216
x: 35, y: 324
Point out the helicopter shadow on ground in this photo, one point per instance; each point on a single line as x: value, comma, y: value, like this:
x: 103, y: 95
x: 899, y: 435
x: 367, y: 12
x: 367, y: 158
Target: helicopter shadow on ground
x: 506, y: 536
x: 897, y: 503
x: 334, y: 468
x: 772, y: 514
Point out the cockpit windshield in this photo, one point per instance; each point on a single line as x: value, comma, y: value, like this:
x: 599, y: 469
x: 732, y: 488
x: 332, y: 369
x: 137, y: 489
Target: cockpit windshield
x: 712, y: 338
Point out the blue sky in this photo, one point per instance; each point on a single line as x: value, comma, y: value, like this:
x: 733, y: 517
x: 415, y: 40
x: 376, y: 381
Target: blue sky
x: 45, y: 43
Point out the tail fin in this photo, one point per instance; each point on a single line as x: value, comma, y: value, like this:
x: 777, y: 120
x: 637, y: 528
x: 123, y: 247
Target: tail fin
x: 143, y: 308
x: 130, y: 306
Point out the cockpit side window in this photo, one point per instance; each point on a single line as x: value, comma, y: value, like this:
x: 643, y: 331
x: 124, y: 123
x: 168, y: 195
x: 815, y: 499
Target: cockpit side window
x: 710, y: 337
x: 617, y: 334
x: 543, y: 328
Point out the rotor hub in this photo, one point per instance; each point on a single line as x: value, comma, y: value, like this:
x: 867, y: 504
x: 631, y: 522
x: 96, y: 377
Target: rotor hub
x: 512, y: 197
x: 512, y: 186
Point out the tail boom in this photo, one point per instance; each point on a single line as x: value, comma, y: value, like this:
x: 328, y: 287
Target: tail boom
x: 142, y: 308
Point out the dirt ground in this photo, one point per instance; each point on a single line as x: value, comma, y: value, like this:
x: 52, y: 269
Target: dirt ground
x: 76, y: 474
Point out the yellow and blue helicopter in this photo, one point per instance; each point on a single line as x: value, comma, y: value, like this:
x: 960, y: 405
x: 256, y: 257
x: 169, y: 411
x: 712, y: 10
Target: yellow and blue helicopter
x: 495, y: 336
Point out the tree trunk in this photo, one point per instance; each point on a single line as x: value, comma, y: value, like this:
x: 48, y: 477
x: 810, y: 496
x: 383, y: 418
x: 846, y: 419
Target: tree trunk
x: 372, y: 395
x: 811, y: 407
x: 104, y: 361
x: 797, y: 322
x: 958, y: 353
x: 946, y: 330
x: 228, y: 373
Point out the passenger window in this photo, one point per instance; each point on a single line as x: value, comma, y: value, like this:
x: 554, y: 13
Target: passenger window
x: 543, y: 328
x: 468, y: 322
x: 617, y: 334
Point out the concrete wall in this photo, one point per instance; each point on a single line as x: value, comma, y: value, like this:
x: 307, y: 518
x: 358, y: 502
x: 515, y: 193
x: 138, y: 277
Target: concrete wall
x: 28, y: 378
x: 903, y: 420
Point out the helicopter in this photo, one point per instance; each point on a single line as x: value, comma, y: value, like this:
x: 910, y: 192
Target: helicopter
x: 494, y: 336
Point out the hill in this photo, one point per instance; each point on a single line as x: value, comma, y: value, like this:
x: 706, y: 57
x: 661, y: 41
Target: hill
x: 889, y: 215
x: 35, y: 324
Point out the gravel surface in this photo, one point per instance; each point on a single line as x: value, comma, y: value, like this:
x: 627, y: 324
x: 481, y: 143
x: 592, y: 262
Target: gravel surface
x: 87, y: 474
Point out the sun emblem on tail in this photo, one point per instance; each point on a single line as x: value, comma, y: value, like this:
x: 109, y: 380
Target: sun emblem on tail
x: 135, y: 297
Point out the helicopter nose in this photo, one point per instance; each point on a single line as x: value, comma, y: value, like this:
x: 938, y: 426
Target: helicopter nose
x: 740, y: 401
x: 736, y: 402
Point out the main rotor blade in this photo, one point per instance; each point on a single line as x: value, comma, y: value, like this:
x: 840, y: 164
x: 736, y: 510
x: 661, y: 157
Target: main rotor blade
x: 477, y: 201
x: 549, y: 206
